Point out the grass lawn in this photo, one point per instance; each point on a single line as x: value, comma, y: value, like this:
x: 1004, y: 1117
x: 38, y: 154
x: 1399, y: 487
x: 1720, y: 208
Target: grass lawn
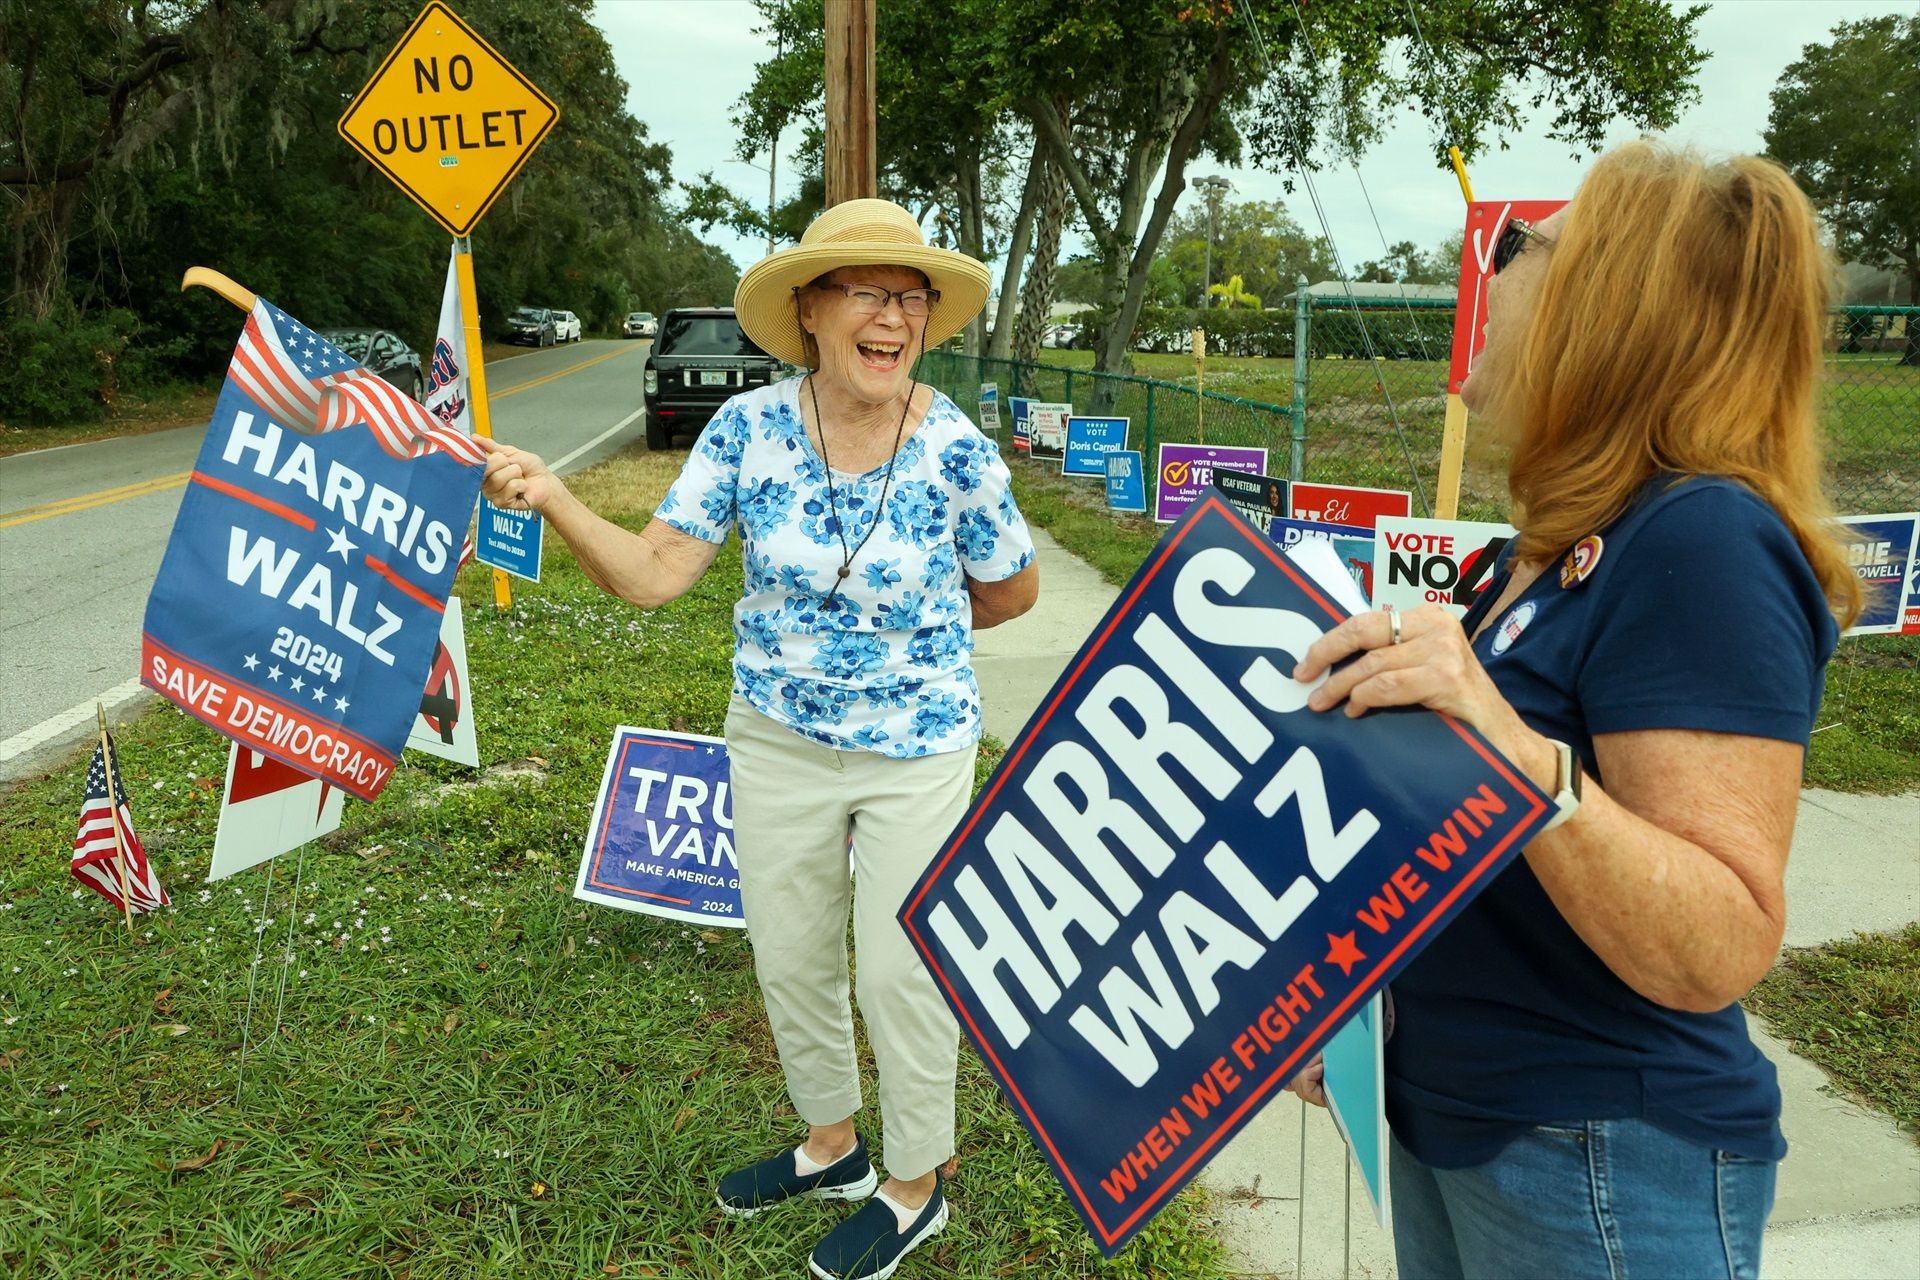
x: 477, y: 1074
x: 1872, y: 414
x: 1854, y: 1008
x: 1867, y: 738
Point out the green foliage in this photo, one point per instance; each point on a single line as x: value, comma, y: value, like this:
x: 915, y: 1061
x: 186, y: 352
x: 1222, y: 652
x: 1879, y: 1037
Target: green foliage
x: 1843, y: 121
x: 1233, y: 293
x: 1257, y: 240
x: 249, y: 176
x: 70, y: 368
x: 1853, y: 1006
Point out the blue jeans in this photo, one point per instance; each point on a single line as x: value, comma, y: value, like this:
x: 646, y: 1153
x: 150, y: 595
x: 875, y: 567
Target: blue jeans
x: 1604, y: 1199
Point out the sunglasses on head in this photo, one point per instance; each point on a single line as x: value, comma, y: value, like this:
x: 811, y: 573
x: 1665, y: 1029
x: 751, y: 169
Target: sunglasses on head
x: 1513, y: 238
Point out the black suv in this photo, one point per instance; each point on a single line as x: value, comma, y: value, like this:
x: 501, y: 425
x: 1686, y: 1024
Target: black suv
x: 701, y: 359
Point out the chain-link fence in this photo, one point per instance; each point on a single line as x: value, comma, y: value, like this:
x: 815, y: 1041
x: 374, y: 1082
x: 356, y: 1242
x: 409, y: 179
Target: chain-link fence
x: 1363, y: 401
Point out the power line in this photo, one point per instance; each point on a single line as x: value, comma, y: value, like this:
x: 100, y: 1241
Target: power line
x: 1326, y: 229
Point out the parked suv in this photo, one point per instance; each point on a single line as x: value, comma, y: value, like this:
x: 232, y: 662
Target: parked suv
x: 701, y: 359
x: 533, y: 326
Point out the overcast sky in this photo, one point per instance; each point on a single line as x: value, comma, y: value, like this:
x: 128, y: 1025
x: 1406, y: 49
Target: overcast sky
x: 687, y: 61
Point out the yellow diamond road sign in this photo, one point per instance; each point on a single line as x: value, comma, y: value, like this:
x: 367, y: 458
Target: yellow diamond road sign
x: 448, y: 119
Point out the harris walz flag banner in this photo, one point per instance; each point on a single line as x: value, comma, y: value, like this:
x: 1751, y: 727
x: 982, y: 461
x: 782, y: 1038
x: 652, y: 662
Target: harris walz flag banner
x: 298, y: 605
x: 1180, y: 882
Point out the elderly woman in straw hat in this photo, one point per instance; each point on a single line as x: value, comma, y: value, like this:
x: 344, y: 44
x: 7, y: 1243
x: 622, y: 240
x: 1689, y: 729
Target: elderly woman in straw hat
x: 878, y: 533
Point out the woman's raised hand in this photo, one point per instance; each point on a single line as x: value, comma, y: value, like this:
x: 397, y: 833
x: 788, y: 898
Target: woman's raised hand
x: 515, y: 479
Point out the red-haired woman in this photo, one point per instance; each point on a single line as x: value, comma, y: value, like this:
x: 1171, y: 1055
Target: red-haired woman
x: 1571, y: 1086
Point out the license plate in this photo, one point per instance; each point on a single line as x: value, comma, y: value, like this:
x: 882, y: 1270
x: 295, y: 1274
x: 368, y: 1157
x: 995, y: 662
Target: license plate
x: 715, y: 378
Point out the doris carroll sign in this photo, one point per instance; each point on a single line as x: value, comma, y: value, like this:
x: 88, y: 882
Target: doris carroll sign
x: 1181, y: 881
x: 297, y: 609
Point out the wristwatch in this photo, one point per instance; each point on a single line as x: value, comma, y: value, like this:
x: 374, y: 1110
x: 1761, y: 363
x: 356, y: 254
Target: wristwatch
x: 1566, y: 784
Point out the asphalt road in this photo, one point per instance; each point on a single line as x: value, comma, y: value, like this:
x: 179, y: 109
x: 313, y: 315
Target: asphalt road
x: 82, y: 529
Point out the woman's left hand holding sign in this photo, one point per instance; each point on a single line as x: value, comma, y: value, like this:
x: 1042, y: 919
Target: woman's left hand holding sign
x: 1423, y: 661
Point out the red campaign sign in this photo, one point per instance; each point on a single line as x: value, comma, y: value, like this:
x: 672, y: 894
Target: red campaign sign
x: 1485, y: 220
x: 1348, y: 504
x: 255, y: 775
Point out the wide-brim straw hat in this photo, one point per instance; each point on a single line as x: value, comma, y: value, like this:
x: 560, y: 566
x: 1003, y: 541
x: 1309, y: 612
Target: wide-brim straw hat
x: 858, y: 233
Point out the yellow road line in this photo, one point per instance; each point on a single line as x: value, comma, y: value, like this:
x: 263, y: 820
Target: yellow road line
x: 160, y: 484
x: 575, y: 368
x: 88, y: 501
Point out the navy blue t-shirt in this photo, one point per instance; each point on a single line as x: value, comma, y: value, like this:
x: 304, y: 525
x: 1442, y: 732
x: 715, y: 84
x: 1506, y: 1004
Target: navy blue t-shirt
x: 1700, y: 613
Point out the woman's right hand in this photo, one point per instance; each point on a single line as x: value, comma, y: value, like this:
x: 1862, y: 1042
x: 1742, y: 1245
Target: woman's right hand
x: 1310, y: 1084
x: 515, y: 479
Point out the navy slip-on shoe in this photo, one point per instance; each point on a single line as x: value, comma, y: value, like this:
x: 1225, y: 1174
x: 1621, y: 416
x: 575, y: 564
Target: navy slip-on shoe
x: 745, y: 1192
x: 870, y: 1244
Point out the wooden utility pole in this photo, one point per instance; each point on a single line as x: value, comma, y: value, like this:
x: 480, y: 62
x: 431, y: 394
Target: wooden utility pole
x: 852, y: 171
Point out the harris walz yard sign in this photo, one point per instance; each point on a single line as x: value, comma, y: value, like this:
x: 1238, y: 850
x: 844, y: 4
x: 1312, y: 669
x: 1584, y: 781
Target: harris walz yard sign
x: 1181, y: 881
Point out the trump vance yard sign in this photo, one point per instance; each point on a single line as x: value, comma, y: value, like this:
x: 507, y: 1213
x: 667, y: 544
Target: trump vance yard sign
x: 448, y: 119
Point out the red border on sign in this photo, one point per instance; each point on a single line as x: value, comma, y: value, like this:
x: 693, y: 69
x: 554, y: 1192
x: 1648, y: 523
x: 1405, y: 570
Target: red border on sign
x: 1286, y: 1069
x: 606, y: 823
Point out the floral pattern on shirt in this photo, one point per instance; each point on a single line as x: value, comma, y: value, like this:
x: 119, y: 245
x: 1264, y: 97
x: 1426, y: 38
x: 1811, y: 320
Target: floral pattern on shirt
x: 880, y: 660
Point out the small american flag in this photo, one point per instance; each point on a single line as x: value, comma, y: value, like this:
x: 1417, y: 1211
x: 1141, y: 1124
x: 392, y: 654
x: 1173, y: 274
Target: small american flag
x: 93, y: 847
x: 309, y: 384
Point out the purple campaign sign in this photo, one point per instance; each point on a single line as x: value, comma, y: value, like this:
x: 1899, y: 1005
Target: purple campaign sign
x: 1186, y: 473
x: 1181, y: 881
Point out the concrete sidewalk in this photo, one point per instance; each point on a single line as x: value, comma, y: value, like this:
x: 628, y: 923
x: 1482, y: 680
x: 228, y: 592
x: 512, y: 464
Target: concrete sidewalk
x: 1848, y: 1202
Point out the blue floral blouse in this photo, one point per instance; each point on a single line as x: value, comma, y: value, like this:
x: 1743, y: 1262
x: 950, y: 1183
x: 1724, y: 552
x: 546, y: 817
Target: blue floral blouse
x: 886, y: 665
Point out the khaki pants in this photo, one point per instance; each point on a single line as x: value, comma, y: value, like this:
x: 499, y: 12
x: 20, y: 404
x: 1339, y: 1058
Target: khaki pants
x: 794, y: 802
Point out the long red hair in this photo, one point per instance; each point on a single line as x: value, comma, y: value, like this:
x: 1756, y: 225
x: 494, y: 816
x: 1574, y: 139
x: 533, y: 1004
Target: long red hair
x: 1678, y: 328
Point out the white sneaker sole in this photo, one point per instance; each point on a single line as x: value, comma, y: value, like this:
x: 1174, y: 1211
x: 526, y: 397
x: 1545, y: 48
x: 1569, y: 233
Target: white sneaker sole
x: 844, y: 1191
x: 931, y: 1229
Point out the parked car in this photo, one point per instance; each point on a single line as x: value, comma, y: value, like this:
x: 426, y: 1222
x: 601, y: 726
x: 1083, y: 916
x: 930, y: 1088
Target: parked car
x: 701, y: 358
x: 1064, y: 336
x: 385, y: 354
x: 566, y: 327
x: 533, y: 326
x: 640, y: 324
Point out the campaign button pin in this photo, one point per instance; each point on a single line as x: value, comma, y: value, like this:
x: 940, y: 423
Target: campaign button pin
x: 1511, y: 626
x: 1581, y: 561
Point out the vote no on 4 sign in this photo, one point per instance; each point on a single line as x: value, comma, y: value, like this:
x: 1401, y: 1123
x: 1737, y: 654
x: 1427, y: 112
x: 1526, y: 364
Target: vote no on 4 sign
x: 448, y: 119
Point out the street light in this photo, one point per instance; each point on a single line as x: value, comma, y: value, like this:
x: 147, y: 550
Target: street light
x: 1214, y: 186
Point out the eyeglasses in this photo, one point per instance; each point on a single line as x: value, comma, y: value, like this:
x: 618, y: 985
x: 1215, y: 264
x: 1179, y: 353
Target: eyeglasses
x: 1513, y: 238
x: 871, y: 299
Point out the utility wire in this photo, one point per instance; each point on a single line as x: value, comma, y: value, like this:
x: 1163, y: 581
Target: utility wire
x: 1353, y: 163
x: 1326, y: 229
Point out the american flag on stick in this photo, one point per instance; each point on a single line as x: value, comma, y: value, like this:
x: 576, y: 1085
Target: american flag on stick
x: 107, y: 856
x: 307, y: 383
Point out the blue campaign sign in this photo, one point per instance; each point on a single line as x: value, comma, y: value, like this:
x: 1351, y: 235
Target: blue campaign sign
x: 1089, y: 441
x: 1021, y: 407
x: 509, y: 540
x: 1881, y: 550
x: 661, y: 840
x: 1126, y: 481
x: 1180, y: 881
x: 297, y: 609
x: 1356, y: 1085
